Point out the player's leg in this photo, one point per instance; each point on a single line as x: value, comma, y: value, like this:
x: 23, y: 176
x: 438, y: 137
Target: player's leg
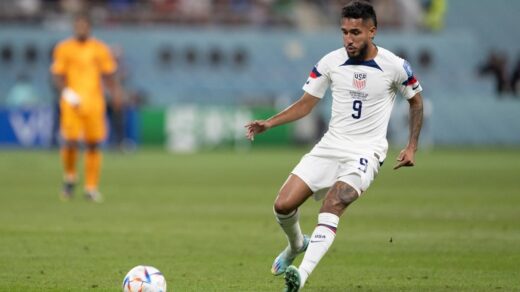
x: 293, y: 193
x: 93, y: 160
x: 313, y: 173
x: 354, y: 177
x: 339, y: 197
x: 94, y: 134
x: 69, y: 156
x: 70, y: 130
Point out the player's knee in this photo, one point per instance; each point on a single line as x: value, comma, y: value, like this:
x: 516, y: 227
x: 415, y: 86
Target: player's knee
x: 92, y: 146
x: 340, y: 196
x: 348, y: 196
x: 70, y: 144
x: 283, y: 207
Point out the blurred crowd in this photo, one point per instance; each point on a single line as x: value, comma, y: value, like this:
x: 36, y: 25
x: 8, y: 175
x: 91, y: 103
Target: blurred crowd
x: 305, y: 14
x: 506, y: 74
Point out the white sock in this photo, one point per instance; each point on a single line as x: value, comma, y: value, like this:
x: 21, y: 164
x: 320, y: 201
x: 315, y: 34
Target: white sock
x: 321, y: 240
x: 291, y: 226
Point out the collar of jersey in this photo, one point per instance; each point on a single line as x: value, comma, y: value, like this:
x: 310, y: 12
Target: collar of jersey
x: 370, y: 63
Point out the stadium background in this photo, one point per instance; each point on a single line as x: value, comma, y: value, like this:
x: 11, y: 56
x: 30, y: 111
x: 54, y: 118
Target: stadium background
x: 194, y: 73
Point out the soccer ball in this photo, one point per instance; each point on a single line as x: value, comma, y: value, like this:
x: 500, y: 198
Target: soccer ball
x: 144, y: 279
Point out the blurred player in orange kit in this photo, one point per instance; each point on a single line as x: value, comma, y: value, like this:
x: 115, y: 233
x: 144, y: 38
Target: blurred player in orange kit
x: 81, y: 65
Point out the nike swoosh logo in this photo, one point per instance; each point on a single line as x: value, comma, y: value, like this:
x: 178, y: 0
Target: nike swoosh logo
x: 414, y: 88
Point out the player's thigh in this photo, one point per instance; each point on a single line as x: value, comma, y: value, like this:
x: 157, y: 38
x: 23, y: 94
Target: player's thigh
x: 293, y: 193
x: 310, y: 175
x: 355, y: 174
x: 95, y: 127
x: 71, y: 123
x: 317, y: 172
x: 338, y: 198
x: 359, y: 171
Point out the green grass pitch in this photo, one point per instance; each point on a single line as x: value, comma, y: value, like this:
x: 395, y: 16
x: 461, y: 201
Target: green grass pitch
x: 452, y: 223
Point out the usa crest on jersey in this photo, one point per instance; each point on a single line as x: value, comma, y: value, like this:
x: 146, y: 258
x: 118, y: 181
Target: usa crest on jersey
x: 360, y: 80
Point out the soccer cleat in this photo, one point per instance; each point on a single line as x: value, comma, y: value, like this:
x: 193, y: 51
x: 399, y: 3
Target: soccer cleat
x: 94, y: 196
x: 68, y: 191
x: 286, y: 257
x: 292, y: 279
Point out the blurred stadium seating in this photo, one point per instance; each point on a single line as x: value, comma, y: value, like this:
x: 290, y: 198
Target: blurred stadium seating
x: 256, y: 53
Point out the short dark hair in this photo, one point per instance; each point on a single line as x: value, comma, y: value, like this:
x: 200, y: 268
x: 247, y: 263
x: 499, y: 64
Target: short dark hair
x: 359, y: 9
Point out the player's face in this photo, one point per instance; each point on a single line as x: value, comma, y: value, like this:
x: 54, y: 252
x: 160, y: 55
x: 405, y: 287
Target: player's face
x: 81, y: 29
x: 357, y: 36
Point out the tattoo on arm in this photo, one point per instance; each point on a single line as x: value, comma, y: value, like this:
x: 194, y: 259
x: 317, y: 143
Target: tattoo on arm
x: 416, y: 120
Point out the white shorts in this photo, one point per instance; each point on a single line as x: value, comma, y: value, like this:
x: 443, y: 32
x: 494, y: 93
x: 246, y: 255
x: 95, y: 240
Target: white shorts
x: 320, y: 173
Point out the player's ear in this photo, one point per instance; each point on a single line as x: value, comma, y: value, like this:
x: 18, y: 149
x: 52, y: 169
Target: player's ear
x: 372, y: 31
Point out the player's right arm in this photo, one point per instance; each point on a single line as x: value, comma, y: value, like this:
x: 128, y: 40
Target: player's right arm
x: 59, y: 66
x: 59, y: 81
x: 314, y: 88
x: 58, y: 70
x: 294, y: 112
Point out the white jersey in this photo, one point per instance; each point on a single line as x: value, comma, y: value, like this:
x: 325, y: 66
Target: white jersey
x: 363, y: 96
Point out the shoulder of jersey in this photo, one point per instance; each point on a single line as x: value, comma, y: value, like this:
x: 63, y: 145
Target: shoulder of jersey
x: 389, y: 59
x: 97, y: 42
x: 336, y: 57
x: 65, y: 42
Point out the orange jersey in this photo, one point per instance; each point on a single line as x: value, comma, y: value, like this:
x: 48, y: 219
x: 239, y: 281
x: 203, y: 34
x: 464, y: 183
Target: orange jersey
x: 83, y: 64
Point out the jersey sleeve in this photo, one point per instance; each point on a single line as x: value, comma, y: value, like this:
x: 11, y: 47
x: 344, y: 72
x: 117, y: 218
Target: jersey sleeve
x: 319, y: 79
x: 59, y: 60
x: 406, y: 81
x: 107, y: 64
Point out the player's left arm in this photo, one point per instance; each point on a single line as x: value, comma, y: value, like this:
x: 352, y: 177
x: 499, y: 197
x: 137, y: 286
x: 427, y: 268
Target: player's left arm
x: 108, y: 68
x: 407, y: 155
x: 115, y: 89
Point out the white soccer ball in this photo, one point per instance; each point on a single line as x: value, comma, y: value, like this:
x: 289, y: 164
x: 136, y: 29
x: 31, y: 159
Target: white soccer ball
x: 144, y: 279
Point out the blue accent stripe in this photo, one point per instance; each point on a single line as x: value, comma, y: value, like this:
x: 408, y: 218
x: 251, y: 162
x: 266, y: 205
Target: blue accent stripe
x: 126, y: 281
x: 369, y: 63
x: 315, y: 73
x: 148, y: 279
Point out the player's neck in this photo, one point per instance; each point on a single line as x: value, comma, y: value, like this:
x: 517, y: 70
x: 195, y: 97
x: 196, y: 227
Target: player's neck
x: 82, y: 40
x: 372, y: 52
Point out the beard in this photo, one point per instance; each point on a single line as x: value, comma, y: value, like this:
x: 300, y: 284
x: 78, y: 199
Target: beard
x: 361, y: 53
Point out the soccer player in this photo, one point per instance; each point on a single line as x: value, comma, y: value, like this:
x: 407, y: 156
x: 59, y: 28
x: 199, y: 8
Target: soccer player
x: 81, y: 64
x: 364, y: 79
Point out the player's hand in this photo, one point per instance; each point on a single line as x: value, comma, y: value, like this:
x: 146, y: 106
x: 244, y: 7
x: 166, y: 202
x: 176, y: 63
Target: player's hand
x: 406, y: 158
x: 256, y: 127
x: 117, y: 103
x: 71, y: 97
